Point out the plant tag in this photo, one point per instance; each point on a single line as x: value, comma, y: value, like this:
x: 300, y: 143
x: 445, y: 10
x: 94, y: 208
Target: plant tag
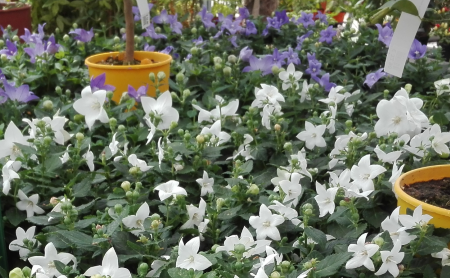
x: 145, y: 13
x: 403, y: 38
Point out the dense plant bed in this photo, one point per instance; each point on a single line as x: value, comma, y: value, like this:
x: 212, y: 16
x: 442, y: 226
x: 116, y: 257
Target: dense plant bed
x: 273, y: 160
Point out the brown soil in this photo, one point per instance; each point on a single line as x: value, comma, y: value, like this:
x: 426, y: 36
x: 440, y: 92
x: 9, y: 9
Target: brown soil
x: 434, y: 192
x: 115, y: 61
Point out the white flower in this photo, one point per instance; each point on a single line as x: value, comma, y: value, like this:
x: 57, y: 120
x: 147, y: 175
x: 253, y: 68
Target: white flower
x: 387, y: 157
x: 18, y: 244
x: 163, y: 112
x: 313, y: 135
x: 12, y: 135
x: 391, y: 259
x: 290, y: 77
x: 56, y: 124
x: 282, y: 175
x: 292, y: 189
x: 188, y: 257
x: 334, y: 96
x: 444, y: 255
x: 252, y: 247
x: 218, y: 113
x: 141, y: 164
x: 206, y: 184
x: 396, y: 172
x: 362, y: 254
x: 109, y: 267
x: 396, y: 231
x: 442, y: 86
x: 266, y: 224
x: 364, y: 173
x: 29, y: 204
x: 325, y: 199
x: 305, y: 90
x: 195, y: 215
x: 411, y: 221
x: 260, y: 273
x: 156, y: 265
x: 160, y: 152
x: 218, y: 137
x: 9, y: 173
x: 91, y: 106
x: 65, y: 157
x: 305, y: 273
x: 170, y: 188
x: 151, y: 131
x: 392, y: 118
x: 287, y: 212
x: 47, y: 261
x: 439, y: 139
x: 268, y: 94
x: 137, y: 221
x: 89, y: 157
x: 113, y: 146
x: 268, y: 110
x: 244, y: 149
x: 202, y: 227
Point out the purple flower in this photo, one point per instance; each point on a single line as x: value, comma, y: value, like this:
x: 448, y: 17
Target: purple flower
x: 141, y: 91
x: 244, y: 13
x: 417, y: 50
x: 245, y: 54
x: 33, y: 38
x: 327, y: 35
x: 10, y: 51
x: 385, y: 34
x: 174, y: 24
x: 232, y: 39
x: 37, y: 51
x: 250, y: 28
x: 373, y: 77
x: 150, y: 32
x: 207, y: 18
x: 5, y: 32
x: 232, y: 26
x: 188, y: 57
x: 218, y: 34
x: 311, y: 57
x: 2, y: 76
x: 314, y: 67
x: 137, y: 14
x: 3, y: 96
x: 50, y: 46
x: 162, y: 18
x: 20, y: 94
x: 291, y: 56
x: 264, y: 65
x: 274, y: 23
x: 167, y: 50
x: 322, y: 17
x: 198, y: 41
x: 277, y: 58
x: 306, y: 19
x: 83, y: 35
x: 150, y: 48
x: 222, y: 18
x: 324, y: 81
x: 282, y: 17
x: 98, y: 83
x: 301, y: 39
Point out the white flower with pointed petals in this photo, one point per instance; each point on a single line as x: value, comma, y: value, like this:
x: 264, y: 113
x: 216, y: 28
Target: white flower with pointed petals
x: 364, y: 173
x: 290, y: 77
x: 440, y: 139
x: 313, y: 135
x: 113, y: 146
x: 362, y: 254
x: 91, y: 106
x: 387, y: 157
x: 151, y: 131
x: 325, y: 199
x: 9, y: 173
x: 442, y: 86
x: 163, y: 112
x: 136, y: 162
x: 18, y: 245
x: 396, y: 231
x: 218, y: 137
x: 334, y: 96
x: 206, y: 184
x: 417, y: 219
x: 396, y: 172
x: 266, y: 224
x: 305, y: 90
x: 195, y: 215
x: 137, y: 221
x: 391, y: 259
x: 65, y: 157
x: 260, y: 273
x: 272, y: 256
x: 292, y: 189
x: 188, y: 257
x: 29, y: 204
x: 170, y: 188
x: 12, y: 135
x: 89, y: 157
x: 218, y: 112
x: 268, y: 94
x: 444, y: 255
x: 288, y: 213
x: 47, y: 261
x: 282, y: 175
x: 109, y: 267
x: 392, y: 118
x: 252, y: 247
x: 305, y: 273
x: 156, y: 265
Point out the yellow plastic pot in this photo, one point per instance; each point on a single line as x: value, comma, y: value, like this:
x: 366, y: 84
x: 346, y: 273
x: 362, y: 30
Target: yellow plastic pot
x: 135, y: 75
x: 441, y: 217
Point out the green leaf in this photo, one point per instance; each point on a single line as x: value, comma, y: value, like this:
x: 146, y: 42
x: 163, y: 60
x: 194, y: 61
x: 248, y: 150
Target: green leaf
x: 431, y: 244
x: 440, y: 119
x: 53, y: 163
x: 14, y: 216
x: 39, y: 220
x: 85, y: 223
x: 82, y: 189
x: 405, y: 6
x: 247, y: 167
x: 317, y: 235
x: 228, y: 214
x: 331, y: 264
x: 445, y: 272
x: 76, y: 239
x: 178, y: 273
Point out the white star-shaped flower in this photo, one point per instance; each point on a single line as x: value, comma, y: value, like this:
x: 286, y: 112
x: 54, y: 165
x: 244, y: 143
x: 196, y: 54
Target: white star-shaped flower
x: 29, y: 204
x: 136, y: 162
x: 313, y: 135
x: 391, y: 259
x: 362, y: 254
x: 9, y: 173
x: 12, y: 135
x: 91, y: 106
x: 18, y: 244
x: 206, y: 184
x: 170, y: 188
x: 137, y: 221
x: 47, y: 261
x: 364, y: 173
x: 266, y: 224
x: 188, y: 257
x: 109, y: 267
x: 160, y: 110
x: 325, y: 199
x: 195, y: 215
x: 290, y: 77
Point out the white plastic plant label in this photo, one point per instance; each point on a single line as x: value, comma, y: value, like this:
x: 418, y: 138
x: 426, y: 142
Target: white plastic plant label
x: 403, y: 38
x: 145, y: 13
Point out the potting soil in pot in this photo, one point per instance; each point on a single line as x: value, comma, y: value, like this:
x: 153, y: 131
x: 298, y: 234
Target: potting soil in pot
x: 434, y: 192
x: 115, y: 61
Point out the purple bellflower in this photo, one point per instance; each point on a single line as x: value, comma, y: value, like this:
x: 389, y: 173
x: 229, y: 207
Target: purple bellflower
x: 324, y: 82
x: 314, y: 67
x: 167, y: 50
x: 50, y: 46
x: 373, y: 77
x: 417, y: 50
x: 3, y: 96
x: 306, y: 19
x: 206, y: 18
x: 321, y: 17
x: 301, y: 39
x: 20, y: 94
x: 174, y: 24
x: 150, y: 32
x: 162, y: 18
x: 150, y: 48
x: 278, y: 59
x: 244, y: 13
x: 41, y: 49
x: 141, y: 91
x: 250, y: 28
x: 245, y: 54
x: 264, y: 65
x: 231, y: 26
x: 385, y: 34
x: 2, y: 76
x: 327, y: 35
x: 221, y: 18
x: 292, y: 57
x: 83, y: 35
x: 98, y: 83
x: 282, y: 17
x: 10, y: 51
x: 137, y: 14
x: 274, y: 23
x: 198, y: 41
x: 233, y: 39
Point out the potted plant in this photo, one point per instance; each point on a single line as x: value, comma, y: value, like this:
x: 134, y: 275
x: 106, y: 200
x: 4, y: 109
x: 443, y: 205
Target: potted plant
x: 17, y: 14
x: 136, y: 65
x: 441, y: 216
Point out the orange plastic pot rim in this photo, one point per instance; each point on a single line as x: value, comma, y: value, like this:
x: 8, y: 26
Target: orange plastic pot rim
x: 413, y: 201
x: 91, y: 61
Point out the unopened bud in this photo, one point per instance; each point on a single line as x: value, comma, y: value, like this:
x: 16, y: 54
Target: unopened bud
x: 161, y: 75
x: 126, y: 185
x: 253, y: 189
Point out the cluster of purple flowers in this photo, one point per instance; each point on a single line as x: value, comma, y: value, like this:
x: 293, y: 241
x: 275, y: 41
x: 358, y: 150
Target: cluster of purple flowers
x: 265, y: 64
x: 314, y: 70
x: 20, y: 94
x: 83, y: 35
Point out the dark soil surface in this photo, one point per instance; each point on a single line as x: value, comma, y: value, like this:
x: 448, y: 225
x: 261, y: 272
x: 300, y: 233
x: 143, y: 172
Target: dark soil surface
x: 434, y: 192
x: 114, y: 61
